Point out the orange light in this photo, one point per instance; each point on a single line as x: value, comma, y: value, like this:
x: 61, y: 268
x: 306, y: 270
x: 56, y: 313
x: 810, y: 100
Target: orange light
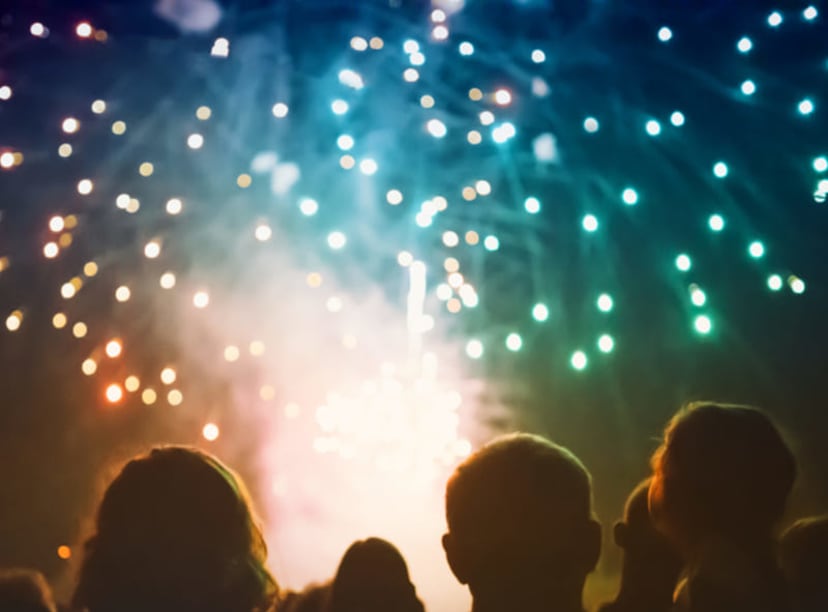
x: 114, y: 393
x: 210, y: 432
x: 64, y: 552
x: 113, y: 348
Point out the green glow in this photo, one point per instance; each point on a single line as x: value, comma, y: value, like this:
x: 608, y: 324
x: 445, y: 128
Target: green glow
x: 703, y: 324
x: 540, y: 312
x: 514, y: 342
x: 579, y: 360
x: 774, y: 282
x: 756, y: 249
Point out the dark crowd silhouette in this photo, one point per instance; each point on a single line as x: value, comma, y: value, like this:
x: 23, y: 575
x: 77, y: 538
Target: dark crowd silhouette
x: 176, y: 532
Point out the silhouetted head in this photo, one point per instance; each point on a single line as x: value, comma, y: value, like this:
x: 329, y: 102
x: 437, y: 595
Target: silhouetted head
x: 373, y: 577
x: 803, y: 555
x: 520, y: 521
x: 650, y: 566
x: 23, y: 590
x: 175, y: 532
x: 722, y: 472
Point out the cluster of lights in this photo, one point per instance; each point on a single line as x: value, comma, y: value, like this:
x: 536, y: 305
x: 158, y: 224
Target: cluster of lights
x: 457, y: 291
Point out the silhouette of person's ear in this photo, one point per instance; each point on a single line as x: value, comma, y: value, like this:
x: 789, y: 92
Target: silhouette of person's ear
x: 620, y: 534
x: 456, y: 559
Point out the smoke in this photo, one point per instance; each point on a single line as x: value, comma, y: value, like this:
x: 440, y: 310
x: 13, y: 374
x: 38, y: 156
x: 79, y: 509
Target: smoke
x: 189, y: 16
x: 358, y: 408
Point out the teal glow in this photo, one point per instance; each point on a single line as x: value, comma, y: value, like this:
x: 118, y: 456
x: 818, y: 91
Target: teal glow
x: 703, y: 324
x: 514, y: 342
x: 683, y: 262
x: 579, y: 360
x: 630, y: 196
x: 774, y: 282
x: 540, y: 312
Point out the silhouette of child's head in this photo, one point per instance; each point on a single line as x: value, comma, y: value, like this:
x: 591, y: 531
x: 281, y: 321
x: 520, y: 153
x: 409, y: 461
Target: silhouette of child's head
x: 651, y: 566
x: 373, y: 577
x: 175, y: 531
x: 803, y: 556
x: 637, y: 536
x: 519, y: 515
x: 23, y: 590
x: 722, y: 471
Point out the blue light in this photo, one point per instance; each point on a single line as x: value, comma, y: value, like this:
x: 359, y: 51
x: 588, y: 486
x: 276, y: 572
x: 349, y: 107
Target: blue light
x: 653, y: 127
x: 345, y: 142
x: 466, y: 48
x: 720, y: 169
x: 532, y: 205
x: 339, y: 107
x: 805, y: 107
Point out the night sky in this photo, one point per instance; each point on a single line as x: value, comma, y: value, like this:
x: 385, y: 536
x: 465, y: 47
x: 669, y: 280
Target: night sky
x: 694, y: 129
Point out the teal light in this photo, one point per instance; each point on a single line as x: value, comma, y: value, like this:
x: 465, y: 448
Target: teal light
x: 540, y: 312
x: 579, y: 360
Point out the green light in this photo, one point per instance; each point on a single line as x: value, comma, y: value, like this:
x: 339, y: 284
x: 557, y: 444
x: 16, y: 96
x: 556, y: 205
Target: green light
x: 683, y: 262
x: 604, y: 302
x: 697, y: 296
x: 716, y: 223
x: 703, y: 324
x: 590, y: 223
x: 629, y: 196
x: 514, y: 342
x: 756, y: 249
x: 820, y: 163
x: 720, y: 169
x: 540, y: 313
x: 579, y: 360
x: 796, y: 284
x: 606, y: 344
x: 774, y: 282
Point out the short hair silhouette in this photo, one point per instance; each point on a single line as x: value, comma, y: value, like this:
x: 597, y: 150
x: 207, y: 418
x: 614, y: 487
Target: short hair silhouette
x: 175, y: 531
x: 650, y: 565
x: 373, y: 577
x: 721, y: 480
x: 521, y: 531
x: 721, y: 469
x: 24, y: 590
x: 803, y: 555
